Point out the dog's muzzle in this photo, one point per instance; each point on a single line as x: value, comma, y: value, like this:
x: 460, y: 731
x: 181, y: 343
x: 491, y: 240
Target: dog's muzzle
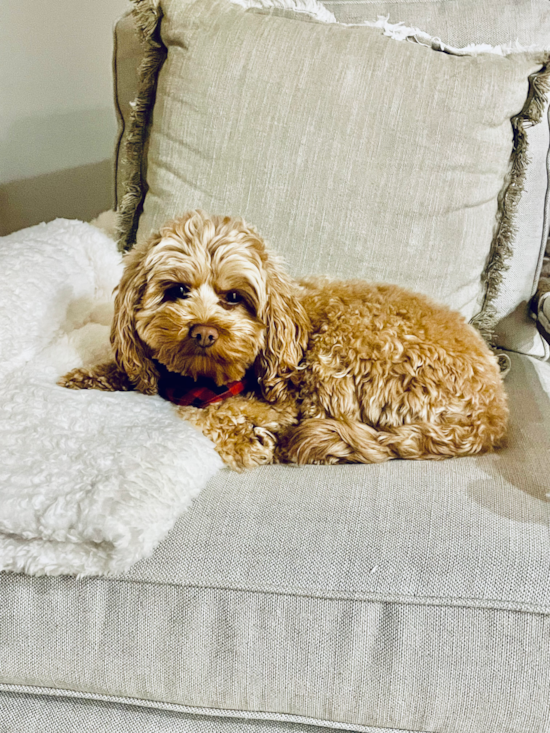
x: 204, y: 335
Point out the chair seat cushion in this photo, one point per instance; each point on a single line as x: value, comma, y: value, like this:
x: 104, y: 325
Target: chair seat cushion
x: 407, y: 595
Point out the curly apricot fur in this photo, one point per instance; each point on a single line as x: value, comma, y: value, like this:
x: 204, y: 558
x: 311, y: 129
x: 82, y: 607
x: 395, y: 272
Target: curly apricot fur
x: 348, y: 371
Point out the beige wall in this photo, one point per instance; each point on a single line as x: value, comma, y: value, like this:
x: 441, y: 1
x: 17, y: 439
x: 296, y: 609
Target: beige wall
x: 57, y: 120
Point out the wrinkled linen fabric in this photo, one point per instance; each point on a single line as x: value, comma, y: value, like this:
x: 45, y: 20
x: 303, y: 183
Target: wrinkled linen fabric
x: 353, y: 153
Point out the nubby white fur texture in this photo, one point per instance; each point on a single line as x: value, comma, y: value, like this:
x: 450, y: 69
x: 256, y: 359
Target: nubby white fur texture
x: 90, y: 482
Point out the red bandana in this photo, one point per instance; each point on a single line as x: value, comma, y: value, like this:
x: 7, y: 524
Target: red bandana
x: 198, y: 393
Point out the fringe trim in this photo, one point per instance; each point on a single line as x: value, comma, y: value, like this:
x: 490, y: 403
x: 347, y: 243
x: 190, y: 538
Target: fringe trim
x: 509, y: 198
x: 401, y: 32
x: 147, y: 15
x: 398, y: 31
x: 311, y: 8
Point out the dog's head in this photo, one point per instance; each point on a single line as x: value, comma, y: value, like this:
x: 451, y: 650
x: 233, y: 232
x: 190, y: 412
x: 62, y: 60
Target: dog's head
x: 205, y: 298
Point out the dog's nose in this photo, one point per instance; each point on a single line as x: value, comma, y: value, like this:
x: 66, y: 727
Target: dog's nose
x: 204, y: 335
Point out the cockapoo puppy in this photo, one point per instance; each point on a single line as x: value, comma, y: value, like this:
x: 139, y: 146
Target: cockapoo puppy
x: 316, y: 370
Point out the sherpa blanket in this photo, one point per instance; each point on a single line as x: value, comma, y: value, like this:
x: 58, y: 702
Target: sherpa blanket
x: 90, y: 482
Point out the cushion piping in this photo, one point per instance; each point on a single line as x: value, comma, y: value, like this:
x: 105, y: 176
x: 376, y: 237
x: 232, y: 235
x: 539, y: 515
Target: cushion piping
x: 207, y: 712
x: 489, y: 604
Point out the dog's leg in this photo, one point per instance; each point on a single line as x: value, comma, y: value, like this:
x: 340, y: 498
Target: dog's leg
x: 107, y: 377
x: 328, y: 441
x: 414, y: 426
x: 243, y: 428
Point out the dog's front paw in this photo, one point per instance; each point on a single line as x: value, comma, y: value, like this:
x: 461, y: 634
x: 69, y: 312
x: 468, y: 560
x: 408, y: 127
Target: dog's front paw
x: 239, y: 441
x: 247, y: 448
x: 105, y: 377
x: 78, y: 379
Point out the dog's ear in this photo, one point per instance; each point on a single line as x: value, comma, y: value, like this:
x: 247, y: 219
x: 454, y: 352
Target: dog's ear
x: 131, y: 354
x: 286, y: 335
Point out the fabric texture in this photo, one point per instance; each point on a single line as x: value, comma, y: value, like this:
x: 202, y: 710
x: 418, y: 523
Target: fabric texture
x: 392, y: 182
x: 544, y: 314
x: 407, y: 595
x: 457, y: 22
x: 516, y: 329
x: 460, y: 24
x: 127, y: 57
x: 38, y: 713
x: 90, y: 481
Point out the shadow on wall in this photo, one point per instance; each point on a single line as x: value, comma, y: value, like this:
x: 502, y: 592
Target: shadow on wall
x: 56, y: 165
x: 75, y: 193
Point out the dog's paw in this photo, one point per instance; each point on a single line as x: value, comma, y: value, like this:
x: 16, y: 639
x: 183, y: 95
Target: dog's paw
x: 247, y: 449
x: 78, y: 379
x: 240, y: 443
x: 105, y: 377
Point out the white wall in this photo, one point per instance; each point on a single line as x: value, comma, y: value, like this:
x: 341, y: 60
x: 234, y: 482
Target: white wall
x: 56, y: 106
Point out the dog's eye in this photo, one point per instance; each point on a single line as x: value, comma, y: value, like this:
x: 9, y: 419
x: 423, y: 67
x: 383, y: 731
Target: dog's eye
x: 176, y: 292
x: 233, y: 297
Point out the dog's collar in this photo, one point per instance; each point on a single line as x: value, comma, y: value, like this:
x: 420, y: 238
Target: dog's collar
x: 197, y: 393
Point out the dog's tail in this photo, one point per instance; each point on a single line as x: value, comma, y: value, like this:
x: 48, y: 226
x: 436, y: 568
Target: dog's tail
x: 324, y: 440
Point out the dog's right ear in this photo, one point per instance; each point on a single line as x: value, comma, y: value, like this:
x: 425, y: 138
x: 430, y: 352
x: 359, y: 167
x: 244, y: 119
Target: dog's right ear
x: 131, y: 354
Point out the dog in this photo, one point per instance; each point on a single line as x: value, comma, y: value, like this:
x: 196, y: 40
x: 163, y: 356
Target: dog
x: 316, y: 371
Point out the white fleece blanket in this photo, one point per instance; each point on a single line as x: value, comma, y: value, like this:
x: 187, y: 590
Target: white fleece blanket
x: 90, y: 482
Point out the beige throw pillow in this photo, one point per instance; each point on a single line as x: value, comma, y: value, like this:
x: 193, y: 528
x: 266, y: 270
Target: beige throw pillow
x: 496, y: 23
x: 356, y: 155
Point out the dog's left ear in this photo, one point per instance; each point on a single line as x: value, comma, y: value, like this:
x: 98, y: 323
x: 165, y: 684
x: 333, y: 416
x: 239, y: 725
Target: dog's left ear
x: 131, y: 354
x: 286, y: 335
